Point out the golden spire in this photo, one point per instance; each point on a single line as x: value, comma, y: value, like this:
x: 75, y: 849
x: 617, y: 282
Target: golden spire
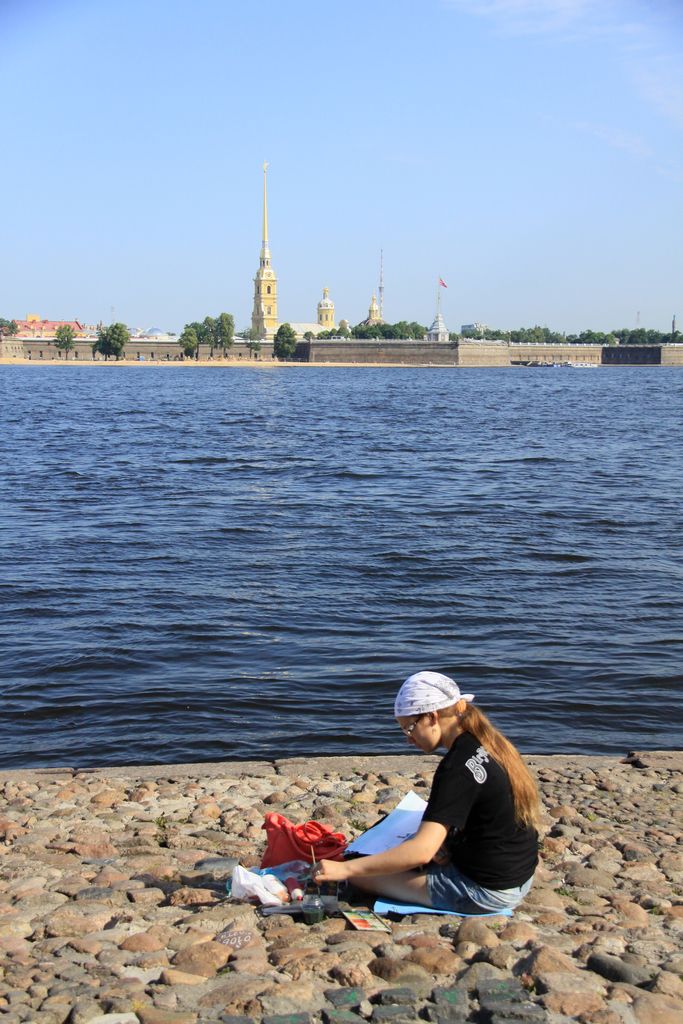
x: 265, y: 206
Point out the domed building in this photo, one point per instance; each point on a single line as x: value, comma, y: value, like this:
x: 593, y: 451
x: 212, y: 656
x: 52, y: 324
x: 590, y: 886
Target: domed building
x: 374, y: 316
x: 326, y: 311
x: 438, y: 331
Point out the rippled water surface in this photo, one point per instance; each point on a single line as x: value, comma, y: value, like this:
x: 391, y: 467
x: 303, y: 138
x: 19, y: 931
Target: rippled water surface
x: 201, y: 564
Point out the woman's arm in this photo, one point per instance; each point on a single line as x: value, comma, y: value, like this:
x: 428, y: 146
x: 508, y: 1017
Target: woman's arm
x: 408, y: 855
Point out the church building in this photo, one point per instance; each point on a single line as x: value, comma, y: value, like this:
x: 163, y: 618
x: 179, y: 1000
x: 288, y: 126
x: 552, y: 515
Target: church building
x: 264, y: 317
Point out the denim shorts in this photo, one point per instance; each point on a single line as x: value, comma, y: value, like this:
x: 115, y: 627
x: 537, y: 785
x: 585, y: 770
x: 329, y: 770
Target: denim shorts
x: 449, y: 889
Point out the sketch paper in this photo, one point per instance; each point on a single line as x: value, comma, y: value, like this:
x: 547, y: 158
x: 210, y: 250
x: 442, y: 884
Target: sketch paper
x: 401, y: 824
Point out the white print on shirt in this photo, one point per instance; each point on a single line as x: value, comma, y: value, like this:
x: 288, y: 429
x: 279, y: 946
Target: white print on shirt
x: 475, y: 765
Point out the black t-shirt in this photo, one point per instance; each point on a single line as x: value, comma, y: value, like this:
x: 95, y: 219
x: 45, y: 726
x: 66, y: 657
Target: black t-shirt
x: 471, y: 797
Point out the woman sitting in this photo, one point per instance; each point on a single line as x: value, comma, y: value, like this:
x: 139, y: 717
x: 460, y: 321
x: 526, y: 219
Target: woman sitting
x: 476, y: 849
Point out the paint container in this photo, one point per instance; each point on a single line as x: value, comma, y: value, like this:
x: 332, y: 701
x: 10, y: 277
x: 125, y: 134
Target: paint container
x: 314, y: 911
x: 294, y: 889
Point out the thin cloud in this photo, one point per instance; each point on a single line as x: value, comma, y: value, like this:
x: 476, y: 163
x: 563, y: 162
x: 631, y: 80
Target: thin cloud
x: 662, y: 84
x: 647, y: 38
x: 635, y: 145
x: 542, y: 17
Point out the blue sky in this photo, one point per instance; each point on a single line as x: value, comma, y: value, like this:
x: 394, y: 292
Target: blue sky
x: 528, y: 151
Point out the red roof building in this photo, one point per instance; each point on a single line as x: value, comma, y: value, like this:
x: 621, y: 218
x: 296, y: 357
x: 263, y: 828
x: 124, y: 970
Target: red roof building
x: 33, y: 327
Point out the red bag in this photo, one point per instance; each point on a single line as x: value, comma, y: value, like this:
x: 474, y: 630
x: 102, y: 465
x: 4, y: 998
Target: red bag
x: 294, y: 842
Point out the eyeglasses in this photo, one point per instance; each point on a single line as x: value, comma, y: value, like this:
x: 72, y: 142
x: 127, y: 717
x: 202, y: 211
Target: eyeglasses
x: 408, y: 730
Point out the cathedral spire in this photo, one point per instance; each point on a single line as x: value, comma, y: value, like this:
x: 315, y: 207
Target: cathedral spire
x: 264, y: 245
x: 264, y: 321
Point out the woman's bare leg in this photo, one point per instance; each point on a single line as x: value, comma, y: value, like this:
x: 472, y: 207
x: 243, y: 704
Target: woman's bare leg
x: 406, y: 886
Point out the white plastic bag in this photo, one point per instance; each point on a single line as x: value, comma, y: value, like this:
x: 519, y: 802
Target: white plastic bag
x: 265, y: 888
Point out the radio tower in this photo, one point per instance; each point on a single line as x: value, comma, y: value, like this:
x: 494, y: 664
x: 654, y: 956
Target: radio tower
x: 381, y: 284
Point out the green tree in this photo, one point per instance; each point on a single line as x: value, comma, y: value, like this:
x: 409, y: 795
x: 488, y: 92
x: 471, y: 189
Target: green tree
x: 254, y: 346
x: 188, y: 341
x: 225, y: 331
x: 210, y: 338
x: 65, y: 339
x: 8, y: 328
x: 112, y: 341
x: 284, y: 344
x: 309, y: 335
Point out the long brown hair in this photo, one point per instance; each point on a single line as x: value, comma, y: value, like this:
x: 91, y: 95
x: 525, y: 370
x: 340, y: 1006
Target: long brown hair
x: 524, y: 791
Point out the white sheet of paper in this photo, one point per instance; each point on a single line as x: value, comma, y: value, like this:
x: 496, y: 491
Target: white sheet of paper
x: 401, y: 824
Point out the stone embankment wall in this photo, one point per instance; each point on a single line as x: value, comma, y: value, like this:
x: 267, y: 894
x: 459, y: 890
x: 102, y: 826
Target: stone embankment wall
x: 139, y: 349
x: 401, y: 352
x: 556, y: 354
x: 672, y: 355
x: 410, y: 352
x: 483, y: 353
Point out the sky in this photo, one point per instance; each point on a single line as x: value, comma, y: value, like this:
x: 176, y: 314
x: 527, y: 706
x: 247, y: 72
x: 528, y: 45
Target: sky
x: 528, y: 152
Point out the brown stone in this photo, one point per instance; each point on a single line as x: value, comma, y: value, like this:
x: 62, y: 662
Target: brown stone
x: 518, y: 932
x: 651, y: 1008
x: 289, y: 997
x: 235, y: 995
x: 96, y: 851
x: 154, y: 1015
x: 150, y: 897
x: 172, y: 976
x: 186, y: 896
x: 86, y: 944
x: 503, y: 956
x: 473, y: 930
x: 207, y: 809
x: 631, y: 914
x: 545, y: 960
x: 436, y: 961
x: 562, y: 811
x: 192, y: 937
x: 249, y: 961
x: 399, y: 972
x: 107, y: 798
x: 277, y: 797
x: 205, y: 958
x: 420, y: 941
x: 351, y: 976
x: 68, y: 920
x: 142, y: 942
x: 669, y: 984
x: 108, y: 876
x: 588, y: 878
x: 563, y: 990
x: 604, y: 1016
x: 288, y: 955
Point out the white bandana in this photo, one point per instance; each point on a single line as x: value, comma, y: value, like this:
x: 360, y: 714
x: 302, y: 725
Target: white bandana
x: 427, y: 691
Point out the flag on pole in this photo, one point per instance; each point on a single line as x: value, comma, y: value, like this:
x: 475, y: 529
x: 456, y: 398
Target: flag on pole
x: 442, y: 283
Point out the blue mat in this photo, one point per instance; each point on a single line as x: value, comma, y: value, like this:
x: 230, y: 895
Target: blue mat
x: 383, y: 908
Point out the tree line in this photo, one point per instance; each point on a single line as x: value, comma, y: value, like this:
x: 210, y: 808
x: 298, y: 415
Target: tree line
x: 544, y: 336
x: 216, y: 332
x: 219, y: 334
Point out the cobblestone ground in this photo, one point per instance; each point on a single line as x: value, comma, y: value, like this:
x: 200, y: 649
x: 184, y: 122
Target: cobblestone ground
x: 108, y: 917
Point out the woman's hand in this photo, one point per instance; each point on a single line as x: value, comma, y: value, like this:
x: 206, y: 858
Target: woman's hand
x: 330, y: 871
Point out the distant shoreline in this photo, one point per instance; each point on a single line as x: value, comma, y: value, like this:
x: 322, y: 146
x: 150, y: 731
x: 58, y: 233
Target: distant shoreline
x: 216, y: 364
x: 261, y: 364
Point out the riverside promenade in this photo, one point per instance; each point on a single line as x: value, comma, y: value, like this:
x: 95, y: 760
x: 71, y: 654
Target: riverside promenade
x: 107, y: 916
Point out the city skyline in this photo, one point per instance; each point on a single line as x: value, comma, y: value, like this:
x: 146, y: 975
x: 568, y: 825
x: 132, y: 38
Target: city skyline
x: 527, y: 151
